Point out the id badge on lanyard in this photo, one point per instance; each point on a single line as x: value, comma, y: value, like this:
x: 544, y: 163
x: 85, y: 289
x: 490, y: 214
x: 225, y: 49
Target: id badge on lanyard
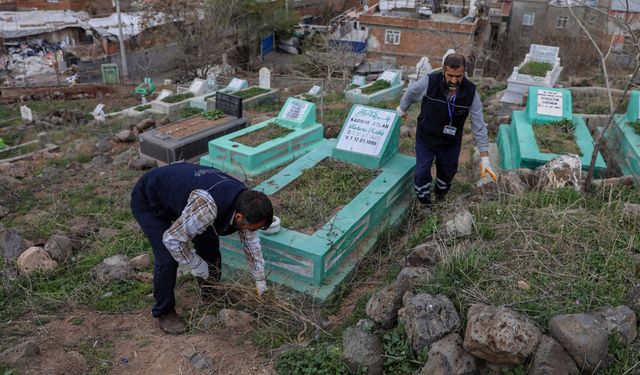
x: 450, y: 129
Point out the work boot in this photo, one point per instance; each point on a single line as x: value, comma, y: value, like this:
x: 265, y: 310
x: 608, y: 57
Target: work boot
x: 172, y: 324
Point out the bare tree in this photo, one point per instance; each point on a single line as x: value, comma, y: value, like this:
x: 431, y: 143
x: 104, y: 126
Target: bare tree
x: 604, y: 48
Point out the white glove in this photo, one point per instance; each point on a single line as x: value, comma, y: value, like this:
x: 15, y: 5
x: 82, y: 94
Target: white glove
x: 485, y: 167
x: 261, y: 287
x: 400, y: 112
x: 199, y: 267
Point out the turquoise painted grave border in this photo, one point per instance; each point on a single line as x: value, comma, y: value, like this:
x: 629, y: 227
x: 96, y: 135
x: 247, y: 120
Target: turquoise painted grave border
x: 623, y: 141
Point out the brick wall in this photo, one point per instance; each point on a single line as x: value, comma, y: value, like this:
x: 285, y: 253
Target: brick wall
x: 52, y: 4
x: 418, y: 37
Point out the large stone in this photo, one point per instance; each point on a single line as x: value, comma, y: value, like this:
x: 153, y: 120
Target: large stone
x: 146, y: 124
x: 141, y: 261
x: 620, y: 320
x: 425, y: 254
x: 35, y: 259
x: 584, y: 337
x: 563, y: 171
x: 59, y: 247
x: 99, y: 162
x: 631, y: 210
x: 551, y: 359
x: 201, y: 361
x: 21, y: 354
x: 527, y: 176
x: 500, y: 335
x: 427, y: 318
x: 8, y: 182
x: 235, y: 319
x: 84, y: 147
x: 12, y: 244
x: 125, y: 136
x: 509, y: 182
x: 117, y: 267
x: 412, y: 276
x: 460, y: 224
x: 141, y: 164
x: 362, y: 350
x: 125, y: 157
x: 103, y: 145
x: 384, y: 304
x: 448, y: 357
x: 633, y: 299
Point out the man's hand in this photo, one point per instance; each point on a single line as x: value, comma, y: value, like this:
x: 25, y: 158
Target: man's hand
x: 261, y: 287
x: 485, y: 167
x: 199, y: 267
x: 401, y: 113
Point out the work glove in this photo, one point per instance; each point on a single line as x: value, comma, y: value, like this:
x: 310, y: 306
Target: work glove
x: 485, y: 167
x: 400, y: 112
x: 199, y: 267
x: 261, y: 287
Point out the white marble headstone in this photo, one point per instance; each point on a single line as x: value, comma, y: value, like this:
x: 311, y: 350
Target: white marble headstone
x: 549, y: 103
x: 26, y: 113
x: 366, y: 130
x: 315, y: 90
x: 163, y: 94
x: 198, y: 87
x: 237, y: 84
x: 264, y: 80
x: 358, y: 80
x: 542, y: 53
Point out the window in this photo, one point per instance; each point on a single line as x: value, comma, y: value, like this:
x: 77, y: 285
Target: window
x: 53, y: 1
x: 391, y: 37
x: 561, y: 22
x: 527, y: 18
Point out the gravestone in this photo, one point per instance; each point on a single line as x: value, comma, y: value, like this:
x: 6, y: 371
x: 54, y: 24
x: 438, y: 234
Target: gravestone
x: 26, y: 113
x: 164, y: 94
x: 542, y: 53
x: 198, y: 87
x: 423, y: 67
x: 264, y: 80
x: 236, y: 85
x: 358, y: 80
x: 98, y: 112
x: 315, y: 90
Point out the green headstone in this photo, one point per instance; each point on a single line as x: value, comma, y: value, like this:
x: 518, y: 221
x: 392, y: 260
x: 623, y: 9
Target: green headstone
x: 110, y: 74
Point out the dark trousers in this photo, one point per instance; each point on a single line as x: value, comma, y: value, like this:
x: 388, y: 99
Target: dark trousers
x: 446, y: 167
x: 165, y: 268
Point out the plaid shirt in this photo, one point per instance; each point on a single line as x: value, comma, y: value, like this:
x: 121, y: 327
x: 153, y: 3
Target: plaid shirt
x: 197, y: 216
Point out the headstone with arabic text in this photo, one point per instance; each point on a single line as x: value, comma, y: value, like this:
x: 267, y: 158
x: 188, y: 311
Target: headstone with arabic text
x: 297, y: 113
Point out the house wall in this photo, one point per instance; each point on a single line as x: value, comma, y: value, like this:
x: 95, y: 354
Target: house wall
x: 52, y: 4
x: 8, y: 5
x: 418, y: 38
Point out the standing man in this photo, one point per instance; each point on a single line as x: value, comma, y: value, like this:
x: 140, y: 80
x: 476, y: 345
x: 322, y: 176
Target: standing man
x: 448, y: 98
x: 183, y: 205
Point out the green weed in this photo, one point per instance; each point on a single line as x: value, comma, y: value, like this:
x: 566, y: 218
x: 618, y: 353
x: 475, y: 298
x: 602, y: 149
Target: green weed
x: 535, y: 68
x: 250, y: 92
x: 318, y: 359
x: 378, y: 85
x: 399, y: 358
x: 177, y: 97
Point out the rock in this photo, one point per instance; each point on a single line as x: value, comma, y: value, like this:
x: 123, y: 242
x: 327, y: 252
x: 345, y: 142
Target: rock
x: 117, y: 267
x: 563, y: 171
x: 59, y: 247
x: 145, y: 277
x: 83, y: 147
x: 4, y: 211
x: 35, y: 259
x: 107, y: 232
x: 448, y: 357
x: 21, y: 354
x: 461, y: 224
x: 201, y: 361
x: 141, y: 261
x: 620, y: 320
x: 103, y: 145
x: 235, y: 319
x: 500, y: 335
x: 12, y: 244
x: 427, y: 318
x: 125, y: 157
x: 365, y: 325
x: 412, y: 276
x: 362, y: 350
x: 146, y: 124
x: 50, y: 173
x: 99, y: 162
x: 163, y: 121
x: 208, y: 321
x: 584, y: 337
x: 551, y: 359
x: 8, y: 182
x: 384, y: 304
x: 125, y: 136
x: 18, y: 170
x: 425, y: 254
x: 633, y: 299
x: 82, y: 226
x: 509, y: 182
x: 631, y: 210
x: 141, y: 164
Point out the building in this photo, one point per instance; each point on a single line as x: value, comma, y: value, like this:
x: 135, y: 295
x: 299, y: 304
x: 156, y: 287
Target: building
x: 95, y: 8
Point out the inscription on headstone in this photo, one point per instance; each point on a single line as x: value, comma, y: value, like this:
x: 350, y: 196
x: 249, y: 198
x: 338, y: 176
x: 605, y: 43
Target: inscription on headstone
x: 295, y: 110
x: 366, y: 130
x: 549, y: 103
x: 544, y: 53
x: 315, y: 90
x: 264, y: 78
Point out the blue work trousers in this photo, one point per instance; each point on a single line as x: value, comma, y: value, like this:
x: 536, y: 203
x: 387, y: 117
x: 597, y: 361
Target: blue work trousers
x: 446, y: 167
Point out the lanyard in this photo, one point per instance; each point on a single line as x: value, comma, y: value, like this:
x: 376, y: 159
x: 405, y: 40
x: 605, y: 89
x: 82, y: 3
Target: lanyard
x: 451, y: 106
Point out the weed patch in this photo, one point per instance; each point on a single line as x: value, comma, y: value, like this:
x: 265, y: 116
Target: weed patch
x: 250, y: 92
x: 314, y: 197
x: 177, y: 98
x: 142, y: 108
x: 378, y: 85
x: 535, y: 68
x: 399, y: 358
x: 19, y: 151
x: 267, y: 133
x: 319, y: 359
x: 213, y: 114
x: 557, y: 137
x: 189, y: 112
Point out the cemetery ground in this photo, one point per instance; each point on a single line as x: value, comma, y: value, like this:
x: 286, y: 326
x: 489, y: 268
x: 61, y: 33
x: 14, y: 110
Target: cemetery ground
x: 541, y: 253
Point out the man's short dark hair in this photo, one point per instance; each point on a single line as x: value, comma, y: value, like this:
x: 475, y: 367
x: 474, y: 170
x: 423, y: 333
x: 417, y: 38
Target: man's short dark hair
x: 255, y: 207
x: 455, y: 61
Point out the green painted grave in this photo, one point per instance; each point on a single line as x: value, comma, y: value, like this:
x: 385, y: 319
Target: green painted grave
x: 624, y: 140
x: 316, y: 263
x: 517, y: 143
x: 356, y: 95
x: 299, y: 116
